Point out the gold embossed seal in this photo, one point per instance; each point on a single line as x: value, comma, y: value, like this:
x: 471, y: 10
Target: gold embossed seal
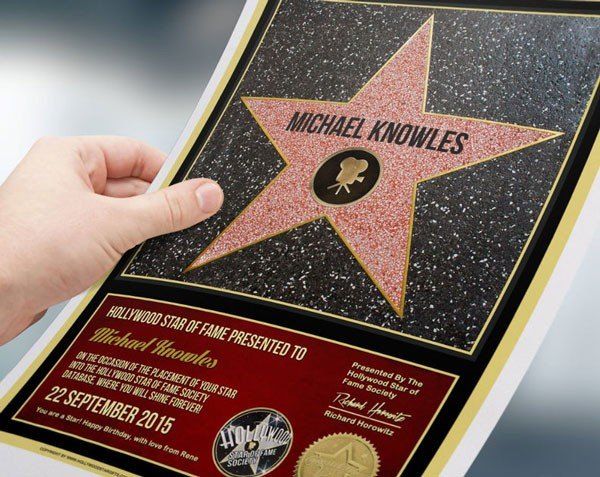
x: 335, y: 455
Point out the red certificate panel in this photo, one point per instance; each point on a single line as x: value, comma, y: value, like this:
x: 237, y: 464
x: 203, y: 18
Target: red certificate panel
x: 203, y: 393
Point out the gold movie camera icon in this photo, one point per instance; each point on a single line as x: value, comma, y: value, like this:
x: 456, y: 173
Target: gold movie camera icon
x: 350, y: 168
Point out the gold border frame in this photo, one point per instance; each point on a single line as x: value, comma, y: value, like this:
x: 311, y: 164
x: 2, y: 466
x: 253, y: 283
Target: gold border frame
x: 455, y: 377
x: 521, y: 318
x: 464, y: 9
x: 398, y: 308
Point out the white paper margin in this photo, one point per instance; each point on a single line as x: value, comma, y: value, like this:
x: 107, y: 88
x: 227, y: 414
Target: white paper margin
x: 530, y: 340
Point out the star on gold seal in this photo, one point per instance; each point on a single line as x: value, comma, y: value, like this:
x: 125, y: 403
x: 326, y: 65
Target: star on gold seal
x: 335, y: 455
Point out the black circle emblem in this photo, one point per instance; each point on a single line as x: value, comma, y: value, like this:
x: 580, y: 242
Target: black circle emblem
x: 252, y: 443
x: 346, y: 177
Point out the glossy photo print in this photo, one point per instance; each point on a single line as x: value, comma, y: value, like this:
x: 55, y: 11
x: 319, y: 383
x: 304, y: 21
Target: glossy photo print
x: 408, y: 193
x: 386, y: 164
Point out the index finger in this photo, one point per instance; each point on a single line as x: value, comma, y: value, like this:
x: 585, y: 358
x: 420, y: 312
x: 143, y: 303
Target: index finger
x: 123, y: 157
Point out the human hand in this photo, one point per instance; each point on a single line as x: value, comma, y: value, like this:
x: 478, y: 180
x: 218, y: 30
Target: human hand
x: 70, y: 210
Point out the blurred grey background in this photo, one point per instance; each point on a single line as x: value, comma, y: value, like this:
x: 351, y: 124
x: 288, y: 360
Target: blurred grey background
x: 137, y: 68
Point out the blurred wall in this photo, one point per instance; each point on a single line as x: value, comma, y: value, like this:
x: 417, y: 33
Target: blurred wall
x: 137, y: 68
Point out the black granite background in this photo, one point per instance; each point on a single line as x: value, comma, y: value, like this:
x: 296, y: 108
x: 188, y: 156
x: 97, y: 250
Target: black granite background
x: 470, y: 226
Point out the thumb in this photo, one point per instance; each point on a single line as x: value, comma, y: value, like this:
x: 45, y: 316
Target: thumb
x: 171, y: 209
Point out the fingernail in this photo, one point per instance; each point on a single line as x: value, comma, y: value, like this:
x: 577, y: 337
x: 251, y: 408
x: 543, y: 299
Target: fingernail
x: 210, y: 197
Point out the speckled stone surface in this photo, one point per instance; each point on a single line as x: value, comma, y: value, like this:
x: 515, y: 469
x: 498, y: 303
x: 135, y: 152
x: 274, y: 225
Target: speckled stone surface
x: 377, y: 229
x: 470, y: 226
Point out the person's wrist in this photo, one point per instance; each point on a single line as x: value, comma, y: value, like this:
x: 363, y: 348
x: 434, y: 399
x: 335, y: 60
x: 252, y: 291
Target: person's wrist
x: 10, y: 297
x: 6, y: 289
x: 18, y: 310
x: 11, y: 291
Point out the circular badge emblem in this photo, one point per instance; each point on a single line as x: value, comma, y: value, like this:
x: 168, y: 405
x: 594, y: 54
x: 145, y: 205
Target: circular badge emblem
x: 349, y: 455
x: 346, y: 177
x: 252, y: 443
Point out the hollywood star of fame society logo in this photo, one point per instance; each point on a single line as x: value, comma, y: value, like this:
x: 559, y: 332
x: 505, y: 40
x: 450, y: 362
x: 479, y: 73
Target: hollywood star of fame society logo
x: 252, y: 443
x: 358, y: 164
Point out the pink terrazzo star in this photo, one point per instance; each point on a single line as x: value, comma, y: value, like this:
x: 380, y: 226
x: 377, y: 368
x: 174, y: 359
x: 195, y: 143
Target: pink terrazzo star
x: 376, y: 229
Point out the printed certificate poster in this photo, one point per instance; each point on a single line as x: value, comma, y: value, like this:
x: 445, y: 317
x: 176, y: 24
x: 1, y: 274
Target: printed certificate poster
x: 401, y: 180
